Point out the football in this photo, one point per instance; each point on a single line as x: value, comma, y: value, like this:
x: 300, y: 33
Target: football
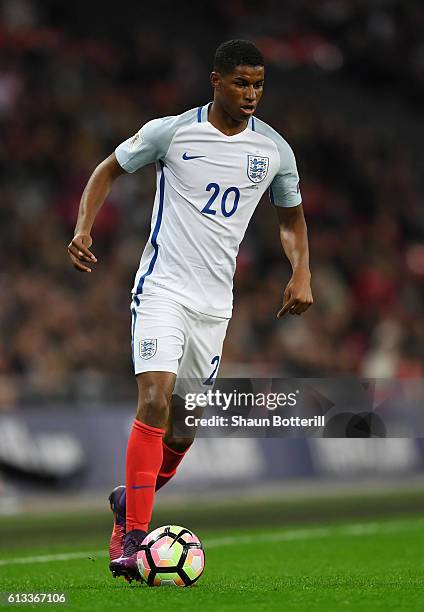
x: 171, y: 556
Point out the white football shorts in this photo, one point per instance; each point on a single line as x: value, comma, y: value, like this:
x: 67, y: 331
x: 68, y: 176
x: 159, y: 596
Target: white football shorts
x: 169, y: 337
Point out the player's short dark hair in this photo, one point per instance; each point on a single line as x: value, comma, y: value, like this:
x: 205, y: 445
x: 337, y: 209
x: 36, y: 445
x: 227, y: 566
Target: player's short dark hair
x: 236, y: 53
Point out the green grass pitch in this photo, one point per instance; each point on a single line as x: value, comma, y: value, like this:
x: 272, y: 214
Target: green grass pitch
x: 334, y: 565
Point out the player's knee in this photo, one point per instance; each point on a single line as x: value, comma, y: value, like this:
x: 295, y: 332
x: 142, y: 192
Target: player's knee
x: 153, y: 407
x: 178, y: 444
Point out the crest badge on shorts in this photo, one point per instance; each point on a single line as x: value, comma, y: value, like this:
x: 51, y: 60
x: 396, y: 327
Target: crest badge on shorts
x: 147, y: 348
x: 257, y: 168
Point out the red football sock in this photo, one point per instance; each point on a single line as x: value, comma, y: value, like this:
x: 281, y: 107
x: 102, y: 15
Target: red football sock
x: 144, y: 458
x: 171, y: 460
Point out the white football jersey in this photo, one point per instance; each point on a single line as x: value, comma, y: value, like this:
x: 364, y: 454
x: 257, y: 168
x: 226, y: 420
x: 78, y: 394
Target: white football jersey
x: 208, y: 186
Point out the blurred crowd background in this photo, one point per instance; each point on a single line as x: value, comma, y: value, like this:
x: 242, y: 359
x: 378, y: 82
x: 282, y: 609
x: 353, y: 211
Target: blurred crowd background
x: 345, y: 87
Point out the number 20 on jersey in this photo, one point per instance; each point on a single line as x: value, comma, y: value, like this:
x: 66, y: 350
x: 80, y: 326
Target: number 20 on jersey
x: 229, y: 200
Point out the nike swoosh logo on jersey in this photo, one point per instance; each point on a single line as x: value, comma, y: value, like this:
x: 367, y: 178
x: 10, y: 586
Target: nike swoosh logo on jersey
x: 185, y: 156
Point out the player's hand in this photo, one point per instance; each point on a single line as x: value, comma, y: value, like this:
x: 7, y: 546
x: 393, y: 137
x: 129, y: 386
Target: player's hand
x: 79, y: 252
x: 297, y: 295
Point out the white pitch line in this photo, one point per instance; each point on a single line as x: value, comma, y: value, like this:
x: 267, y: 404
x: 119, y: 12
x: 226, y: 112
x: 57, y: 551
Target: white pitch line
x: 58, y: 557
x: 353, y: 529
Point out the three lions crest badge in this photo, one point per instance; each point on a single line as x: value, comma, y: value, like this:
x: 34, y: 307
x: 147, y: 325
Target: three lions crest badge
x: 257, y: 168
x: 147, y: 348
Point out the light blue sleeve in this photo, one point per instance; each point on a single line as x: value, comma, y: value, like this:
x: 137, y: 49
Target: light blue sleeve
x: 148, y: 145
x: 284, y: 189
x: 152, y: 141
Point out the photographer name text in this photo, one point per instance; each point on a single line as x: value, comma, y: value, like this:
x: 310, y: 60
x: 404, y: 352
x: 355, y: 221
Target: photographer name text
x: 239, y: 421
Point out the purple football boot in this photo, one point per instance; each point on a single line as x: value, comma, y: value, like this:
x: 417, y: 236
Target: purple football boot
x: 126, y: 564
x: 117, y: 500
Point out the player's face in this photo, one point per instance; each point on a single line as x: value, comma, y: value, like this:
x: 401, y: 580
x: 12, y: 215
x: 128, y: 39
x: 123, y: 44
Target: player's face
x: 239, y: 92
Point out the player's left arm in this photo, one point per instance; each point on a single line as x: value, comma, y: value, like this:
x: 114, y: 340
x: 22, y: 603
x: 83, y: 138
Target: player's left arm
x: 294, y: 240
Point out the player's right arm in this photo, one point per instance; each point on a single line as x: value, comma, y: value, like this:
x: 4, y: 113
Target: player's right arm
x: 148, y: 145
x: 96, y: 191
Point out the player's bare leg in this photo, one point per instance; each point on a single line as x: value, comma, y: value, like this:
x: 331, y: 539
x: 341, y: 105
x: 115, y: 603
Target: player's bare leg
x: 143, y: 462
x: 175, y: 445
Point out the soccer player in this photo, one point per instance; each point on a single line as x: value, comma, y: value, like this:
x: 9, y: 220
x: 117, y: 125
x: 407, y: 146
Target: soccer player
x: 213, y: 165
